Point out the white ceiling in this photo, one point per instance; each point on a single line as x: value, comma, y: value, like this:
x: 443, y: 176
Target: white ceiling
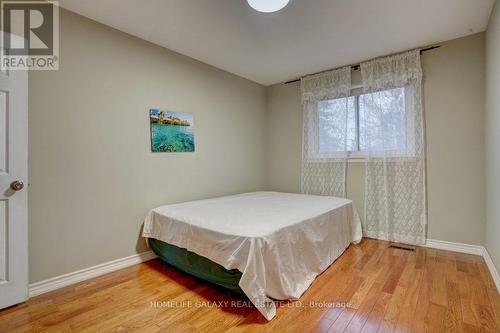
x: 305, y: 37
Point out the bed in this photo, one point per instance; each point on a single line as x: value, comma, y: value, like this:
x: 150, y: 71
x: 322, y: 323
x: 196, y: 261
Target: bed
x: 269, y: 245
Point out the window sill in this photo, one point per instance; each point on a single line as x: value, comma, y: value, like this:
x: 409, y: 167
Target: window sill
x: 362, y: 158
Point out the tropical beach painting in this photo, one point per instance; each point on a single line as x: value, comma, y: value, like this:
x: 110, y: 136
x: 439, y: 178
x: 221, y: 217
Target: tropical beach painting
x: 171, y: 131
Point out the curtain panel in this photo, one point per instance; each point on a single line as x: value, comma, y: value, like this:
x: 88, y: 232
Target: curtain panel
x: 324, y: 172
x: 395, y: 187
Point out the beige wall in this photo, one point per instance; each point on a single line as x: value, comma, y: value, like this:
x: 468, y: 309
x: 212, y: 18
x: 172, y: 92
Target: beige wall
x: 92, y: 174
x: 493, y: 136
x: 93, y: 177
x: 454, y: 106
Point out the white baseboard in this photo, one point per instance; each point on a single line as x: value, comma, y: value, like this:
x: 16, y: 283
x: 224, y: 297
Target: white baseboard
x: 455, y: 247
x: 87, y: 273
x: 91, y: 272
x: 492, y: 268
x: 469, y: 249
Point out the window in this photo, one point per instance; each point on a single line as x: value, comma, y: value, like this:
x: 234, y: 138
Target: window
x: 375, y: 122
x: 332, y: 123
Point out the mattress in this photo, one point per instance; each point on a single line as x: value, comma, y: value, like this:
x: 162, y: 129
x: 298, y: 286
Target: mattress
x: 279, y: 242
x: 196, y: 265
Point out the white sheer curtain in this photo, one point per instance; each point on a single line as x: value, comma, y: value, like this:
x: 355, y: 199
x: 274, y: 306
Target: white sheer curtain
x: 325, y: 132
x: 391, y: 131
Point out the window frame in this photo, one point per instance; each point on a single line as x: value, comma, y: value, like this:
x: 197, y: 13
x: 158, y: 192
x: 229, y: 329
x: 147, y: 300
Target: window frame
x: 359, y: 155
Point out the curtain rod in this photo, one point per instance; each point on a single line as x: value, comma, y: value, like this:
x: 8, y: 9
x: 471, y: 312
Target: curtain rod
x: 357, y: 66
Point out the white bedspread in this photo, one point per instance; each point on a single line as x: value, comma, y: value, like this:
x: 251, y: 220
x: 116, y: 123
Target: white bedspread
x: 279, y: 241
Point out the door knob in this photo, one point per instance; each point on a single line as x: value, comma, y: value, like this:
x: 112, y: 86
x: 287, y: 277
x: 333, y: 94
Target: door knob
x: 17, y: 185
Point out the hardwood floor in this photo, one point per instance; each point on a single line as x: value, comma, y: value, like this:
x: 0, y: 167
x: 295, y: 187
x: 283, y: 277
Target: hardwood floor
x: 385, y: 289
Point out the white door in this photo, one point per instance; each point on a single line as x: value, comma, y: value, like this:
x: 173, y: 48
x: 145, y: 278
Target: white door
x: 13, y: 194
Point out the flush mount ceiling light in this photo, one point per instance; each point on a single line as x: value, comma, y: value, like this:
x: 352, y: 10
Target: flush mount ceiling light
x: 268, y: 6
